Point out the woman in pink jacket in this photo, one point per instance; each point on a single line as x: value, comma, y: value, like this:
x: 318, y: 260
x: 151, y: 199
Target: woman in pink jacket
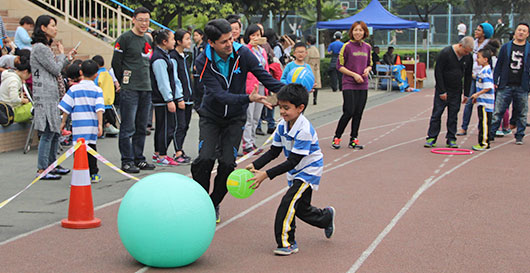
x: 253, y: 39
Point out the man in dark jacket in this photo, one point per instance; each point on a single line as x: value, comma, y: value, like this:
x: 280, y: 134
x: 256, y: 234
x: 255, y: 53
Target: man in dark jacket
x: 453, y: 63
x: 223, y: 68
x: 511, y: 78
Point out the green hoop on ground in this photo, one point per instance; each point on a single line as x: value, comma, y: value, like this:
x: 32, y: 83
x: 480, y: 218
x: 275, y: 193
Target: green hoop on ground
x: 451, y: 151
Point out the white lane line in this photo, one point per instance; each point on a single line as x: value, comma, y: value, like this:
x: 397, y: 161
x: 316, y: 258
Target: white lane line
x: 425, y: 186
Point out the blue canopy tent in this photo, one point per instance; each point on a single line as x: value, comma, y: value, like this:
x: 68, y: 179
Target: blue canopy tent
x: 377, y: 17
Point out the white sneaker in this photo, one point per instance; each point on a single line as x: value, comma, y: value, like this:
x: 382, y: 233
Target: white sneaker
x: 111, y: 130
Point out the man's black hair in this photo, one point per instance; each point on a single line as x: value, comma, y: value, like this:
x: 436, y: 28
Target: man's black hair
x: 89, y: 68
x: 523, y: 24
x: 215, y: 28
x: 233, y: 21
x: 233, y: 16
x: 141, y: 10
x: 99, y: 60
x: 294, y: 93
x: 311, y: 39
x: 249, y: 31
x: 299, y: 44
x: 26, y: 20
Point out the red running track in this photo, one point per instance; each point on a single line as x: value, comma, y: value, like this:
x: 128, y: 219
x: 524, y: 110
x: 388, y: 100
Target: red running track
x: 400, y: 208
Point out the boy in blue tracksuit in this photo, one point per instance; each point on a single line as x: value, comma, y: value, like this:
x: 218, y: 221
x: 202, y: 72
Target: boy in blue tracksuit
x: 223, y: 68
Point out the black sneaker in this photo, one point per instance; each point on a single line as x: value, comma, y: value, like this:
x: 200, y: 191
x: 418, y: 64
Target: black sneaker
x: 129, y: 168
x: 217, y: 215
x: 259, y: 132
x: 519, y: 141
x: 145, y: 166
x: 60, y: 170
x: 271, y: 130
x: 328, y: 231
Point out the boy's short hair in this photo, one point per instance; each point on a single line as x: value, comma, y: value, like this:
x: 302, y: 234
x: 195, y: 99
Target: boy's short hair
x: 215, y: 28
x: 311, y: 39
x: 99, y: 60
x: 299, y: 44
x: 141, y: 10
x: 294, y: 93
x: 89, y: 68
x: 486, y: 53
x: 26, y: 20
x: 72, y: 72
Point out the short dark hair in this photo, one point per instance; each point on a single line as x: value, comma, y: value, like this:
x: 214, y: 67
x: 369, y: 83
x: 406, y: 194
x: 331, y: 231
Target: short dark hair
x: 160, y: 35
x: 23, y: 52
x: 89, y: 68
x: 294, y: 93
x: 99, y: 60
x: 38, y: 35
x: 523, y: 24
x: 311, y: 39
x: 486, y: 53
x: 233, y: 16
x: 390, y: 47
x: 233, y: 21
x: 26, y: 20
x: 179, y: 34
x: 72, y: 71
x: 299, y: 44
x: 363, y: 26
x: 141, y: 10
x: 24, y: 64
x: 249, y: 31
x: 217, y: 27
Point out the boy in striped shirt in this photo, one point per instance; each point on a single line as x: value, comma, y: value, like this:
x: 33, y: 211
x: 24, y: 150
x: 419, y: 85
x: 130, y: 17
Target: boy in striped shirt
x: 84, y: 102
x: 299, y: 141
x: 485, y: 99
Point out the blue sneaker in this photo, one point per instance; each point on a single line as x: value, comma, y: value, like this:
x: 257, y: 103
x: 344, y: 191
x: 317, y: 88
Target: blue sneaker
x: 286, y: 251
x: 430, y: 143
x: 95, y: 178
x: 328, y: 231
x: 451, y: 144
x: 499, y: 133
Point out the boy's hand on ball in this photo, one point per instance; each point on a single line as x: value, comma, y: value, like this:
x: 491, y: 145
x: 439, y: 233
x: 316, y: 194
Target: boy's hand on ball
x: 259, y: 177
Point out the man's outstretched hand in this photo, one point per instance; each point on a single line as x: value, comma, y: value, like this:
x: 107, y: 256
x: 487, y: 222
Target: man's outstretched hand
x: 255, y: 97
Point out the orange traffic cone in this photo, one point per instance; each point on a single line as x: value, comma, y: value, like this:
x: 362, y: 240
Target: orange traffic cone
x: 398, y: 60
x: 81, y: 209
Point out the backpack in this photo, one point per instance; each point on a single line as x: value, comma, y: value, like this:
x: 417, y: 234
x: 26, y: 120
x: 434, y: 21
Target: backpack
x: 7, y: 116
x: 285, y: 58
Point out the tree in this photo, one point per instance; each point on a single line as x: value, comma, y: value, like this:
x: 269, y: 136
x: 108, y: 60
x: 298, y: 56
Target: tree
x: 426, y: 7
x: 331, y: 10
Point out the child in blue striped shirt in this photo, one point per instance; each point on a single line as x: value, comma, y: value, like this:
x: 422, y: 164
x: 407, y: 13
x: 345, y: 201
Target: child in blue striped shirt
x: 84, y: 102
x: 484, y: 97
x: 299, y: 141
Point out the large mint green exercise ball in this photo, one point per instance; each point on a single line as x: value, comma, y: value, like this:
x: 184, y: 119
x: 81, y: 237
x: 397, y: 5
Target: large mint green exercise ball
x: 166, y: 220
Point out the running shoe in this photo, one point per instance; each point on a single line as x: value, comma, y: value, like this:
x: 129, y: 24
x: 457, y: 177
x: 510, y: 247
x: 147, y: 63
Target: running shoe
x: 354, y: 142
x: 217, y: 215
x: 499, y: 133
x: 50, y: 176
x: 519, y: 141
x: 336, y: 143
x: 286, y: 251
x: 111, y: 130
x: 183, y: 160
x: 129, y: 168
x: 154, y: 158
x: 507, y: 131
x: 451, y: 144
x: 95, y: 178
x: 166, y: 161
x: 461, y: 132
x: 60, y: 170
x: 430, y: 143
x: 145, y: 166
x: 479, y: 147
x: 329, y: 230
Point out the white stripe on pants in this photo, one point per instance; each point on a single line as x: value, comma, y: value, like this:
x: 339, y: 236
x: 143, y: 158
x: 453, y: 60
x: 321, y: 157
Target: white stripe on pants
x: 253, y: 115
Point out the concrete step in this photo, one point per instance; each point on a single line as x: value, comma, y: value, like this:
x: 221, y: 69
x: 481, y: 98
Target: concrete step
x: 3, y: 13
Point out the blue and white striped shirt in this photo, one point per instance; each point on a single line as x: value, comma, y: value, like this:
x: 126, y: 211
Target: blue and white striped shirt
x: 302, y: 139
x: 484, y: 81
x: 83, y: 101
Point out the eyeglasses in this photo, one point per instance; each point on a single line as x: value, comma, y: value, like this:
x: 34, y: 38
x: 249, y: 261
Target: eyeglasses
x: 143, y: 20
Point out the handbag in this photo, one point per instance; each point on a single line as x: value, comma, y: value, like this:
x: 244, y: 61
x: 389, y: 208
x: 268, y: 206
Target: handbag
x: 6, y: 114
x: 23, y: 112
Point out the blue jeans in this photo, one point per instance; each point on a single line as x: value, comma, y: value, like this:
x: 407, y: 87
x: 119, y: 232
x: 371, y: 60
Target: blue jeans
x: 134, y: 109
x: 520, y: 108
x: 48, y: 146
x: 468, y: 109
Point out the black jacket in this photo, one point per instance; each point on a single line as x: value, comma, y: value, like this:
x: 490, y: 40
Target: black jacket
x: 449, y: 72
x: 226, y: 97
x: 184, y: 75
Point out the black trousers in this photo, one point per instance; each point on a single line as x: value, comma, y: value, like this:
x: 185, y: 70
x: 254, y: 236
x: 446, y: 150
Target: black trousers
x: 219, y: 138
x: 352, y: 108
x: 92, y: 161
x: 297, y: 202
x: 165, y: 124
x: 336, y: 79
x: 484, y: 125
x: 109, y: 117
x: 183, y: 123
x: 453, y: 106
